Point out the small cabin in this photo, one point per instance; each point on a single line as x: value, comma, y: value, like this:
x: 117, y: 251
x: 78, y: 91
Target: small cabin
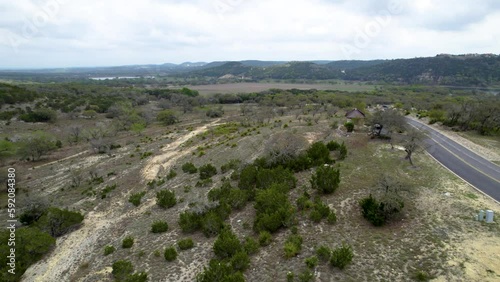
x: 355, y: 114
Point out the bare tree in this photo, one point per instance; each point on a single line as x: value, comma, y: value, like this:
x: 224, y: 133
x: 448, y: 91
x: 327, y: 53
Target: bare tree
x: 386, y: 123
x: 101, y: 145
x: 284, y: 146
x: 75, y: 133
x: 412, y: 142
x: 76, y: 178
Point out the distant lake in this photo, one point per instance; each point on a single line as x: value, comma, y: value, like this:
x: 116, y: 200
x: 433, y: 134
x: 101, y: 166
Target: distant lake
x: 114, y: 77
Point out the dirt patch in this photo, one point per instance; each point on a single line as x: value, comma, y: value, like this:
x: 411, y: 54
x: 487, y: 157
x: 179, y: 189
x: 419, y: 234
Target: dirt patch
x: 172, y: 152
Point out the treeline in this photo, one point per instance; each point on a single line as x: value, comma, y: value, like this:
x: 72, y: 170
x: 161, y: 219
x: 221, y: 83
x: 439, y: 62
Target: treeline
x: 42, y: 225
x: 482, y: 116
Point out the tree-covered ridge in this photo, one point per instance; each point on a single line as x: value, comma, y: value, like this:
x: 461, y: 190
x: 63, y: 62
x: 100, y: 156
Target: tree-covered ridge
x: 479, y: 70
x: 444, y: 70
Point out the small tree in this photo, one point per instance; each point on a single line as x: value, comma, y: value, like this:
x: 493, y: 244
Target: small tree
x: 387, y: 202
x: 326, y: 179
x: 227, y: 244
x: 207, y: 171
x: 128, y: 242
x: 167, y: 117
x: 412, y: 142
x: 58, y: 222
x: 319, y: 154
x: 341, y: 256
x: 170, y: 254
x: 121, y: 269
x: 349, y: 126
x: 135, y: 198
x: 109, y: 250
x: 165, y: 199
x: 159, y: 226
x: 189, y: 168
x: 185, y: 244
x: 37, y: 145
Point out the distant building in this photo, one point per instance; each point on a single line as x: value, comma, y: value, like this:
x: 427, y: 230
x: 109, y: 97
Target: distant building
x: 355, y: 114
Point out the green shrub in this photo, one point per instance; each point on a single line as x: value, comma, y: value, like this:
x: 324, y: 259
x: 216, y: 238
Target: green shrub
x: 159, y: 226
x: 171, y: 174
x: 40, y: 115
x: 323, y: 253
x: 306, y: 276
x: 31, y: 245
x: 315, y: 216
x: 219, y: 271
x: 371, y: 211
x: 185, y: 244
x: 342, y: 151
x: 265, y: 238
x: 108, y: 189
x: 165, y: 199
x: 167, y: 117
x: 333, y: 145
x: 57, y: 222
x: 170, y: 254
x: 248, y: 178
x: 311, y: 262
x: 190, y: 221
x: 109, y: 250
x: 214, y: 113
x: 227, y: 244
x: 349, y: 126
x: 304, y: 202
x: 189, y: 168
x: 326, y: 179
x: 290, y: 276
x: 319, y: 154
x: 122, y: 269
x: 293, y: 245
x: 421, y: 276
x: 211, y: 224
x: 341, y: 256
x: 273, y: 210
x: 207, y: 171
x: 135, y: 198
x: 240, y: 261
x: 267, y: 177
x: 250, y: 246
x: 236, y: 198
x: 232, y: 164
x: 128, y: 242
x: 137, y: 277
x: 331, y: 218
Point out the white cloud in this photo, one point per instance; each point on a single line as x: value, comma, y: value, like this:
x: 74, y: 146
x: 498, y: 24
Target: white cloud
x: 113, y: 32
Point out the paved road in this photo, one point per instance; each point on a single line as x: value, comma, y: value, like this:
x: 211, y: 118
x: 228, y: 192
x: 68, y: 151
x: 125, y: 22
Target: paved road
x: 477, y: 171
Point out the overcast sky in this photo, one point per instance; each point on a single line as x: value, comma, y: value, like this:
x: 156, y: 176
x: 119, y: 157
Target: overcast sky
x: 66, y: 33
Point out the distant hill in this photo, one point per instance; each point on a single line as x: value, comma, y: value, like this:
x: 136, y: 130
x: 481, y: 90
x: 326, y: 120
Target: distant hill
x: 349, y: 65
x: 460, y: 70
x: 465, y: 70
x: 471, y: 70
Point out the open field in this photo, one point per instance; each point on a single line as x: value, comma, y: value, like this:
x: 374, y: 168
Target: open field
x: 250, y: 87
x: 435, y: 236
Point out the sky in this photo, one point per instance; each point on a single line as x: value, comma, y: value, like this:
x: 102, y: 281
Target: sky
x: 82, y: 33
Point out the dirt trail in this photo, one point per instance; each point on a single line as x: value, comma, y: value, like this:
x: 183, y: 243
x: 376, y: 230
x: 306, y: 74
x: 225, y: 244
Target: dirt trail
x: 75, y: 248
x: 172, y: 153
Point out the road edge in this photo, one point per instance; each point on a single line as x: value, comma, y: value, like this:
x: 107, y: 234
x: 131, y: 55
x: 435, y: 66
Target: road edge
x: 467, y: 182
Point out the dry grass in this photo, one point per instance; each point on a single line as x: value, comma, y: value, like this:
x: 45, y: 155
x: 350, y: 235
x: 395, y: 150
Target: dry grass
x: 435, y: 235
